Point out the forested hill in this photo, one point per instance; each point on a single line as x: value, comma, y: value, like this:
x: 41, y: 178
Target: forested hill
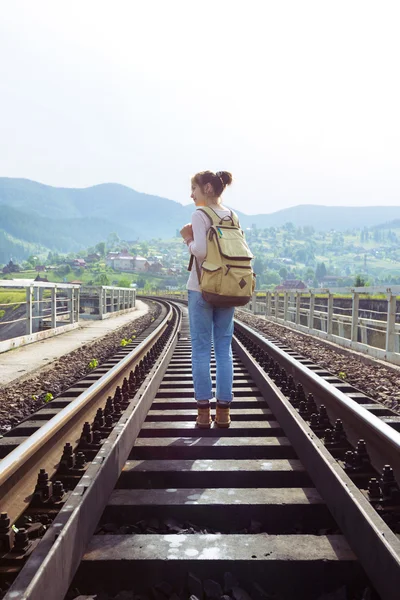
x: 326, y: 218
x: 68, y: 219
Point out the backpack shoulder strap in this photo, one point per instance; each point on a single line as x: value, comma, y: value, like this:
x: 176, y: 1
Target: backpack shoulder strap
x: 213, y: 217
x: 216, y: 220
x: 235, y: 218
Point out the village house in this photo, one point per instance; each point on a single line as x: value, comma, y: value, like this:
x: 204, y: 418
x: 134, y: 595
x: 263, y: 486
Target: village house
x: 291, y: 284
x: 141, y: 264
x: 40, y: 268
x: 154, y: 266
x: 79, y: 262
x: 110, y: 257
x: 120, y: 261
x: 91, y: 258
x: 330, y: 280
x: 123, y: 263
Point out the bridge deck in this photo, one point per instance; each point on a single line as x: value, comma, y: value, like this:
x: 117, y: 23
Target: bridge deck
x: 25, y: 360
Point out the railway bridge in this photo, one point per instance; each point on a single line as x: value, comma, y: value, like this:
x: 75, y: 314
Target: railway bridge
x: 108, y: 490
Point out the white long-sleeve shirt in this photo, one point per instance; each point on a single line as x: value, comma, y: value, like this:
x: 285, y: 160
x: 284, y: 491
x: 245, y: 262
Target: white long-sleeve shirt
x: 198, y: 244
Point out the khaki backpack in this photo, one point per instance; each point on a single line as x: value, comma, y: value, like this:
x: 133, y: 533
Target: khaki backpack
x: 226, y: 277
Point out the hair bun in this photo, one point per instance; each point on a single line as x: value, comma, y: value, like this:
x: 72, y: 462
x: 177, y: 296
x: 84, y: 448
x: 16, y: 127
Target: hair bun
x: 225, y: 176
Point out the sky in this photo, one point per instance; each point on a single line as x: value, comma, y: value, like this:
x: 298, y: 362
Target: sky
x: 299, y: 100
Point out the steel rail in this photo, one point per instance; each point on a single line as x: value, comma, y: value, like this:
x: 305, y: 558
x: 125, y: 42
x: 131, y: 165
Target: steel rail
x: 383, y: 440
x: 19, y: 469
x: 373, y: 542
x: 49, y: 570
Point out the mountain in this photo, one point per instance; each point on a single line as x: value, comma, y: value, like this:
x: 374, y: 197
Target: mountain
x: 325, y: 218
x: 16, y: 249
x: 65, y: 235
x: 389, y: 225
x: 95, y: 211
x: 70, y: 219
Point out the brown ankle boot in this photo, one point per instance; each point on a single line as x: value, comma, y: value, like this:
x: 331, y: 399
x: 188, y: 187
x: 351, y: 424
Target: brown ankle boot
x: 203, y: 417
x: 222, y: 416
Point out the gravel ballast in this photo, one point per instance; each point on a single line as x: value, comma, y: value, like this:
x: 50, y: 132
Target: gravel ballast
x: 20, y: 399
x: 376, y: 380
x: 16, y: 400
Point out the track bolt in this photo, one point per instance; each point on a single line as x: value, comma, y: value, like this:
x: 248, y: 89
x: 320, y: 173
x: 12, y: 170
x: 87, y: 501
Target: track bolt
x: 96, y: 437
x: 300, y: 392
x: 323, y: 417
x: 266, y: 364
x: 314, y: 422
x: 43, y: 487
x: 374, y: 490
x: 362, y: 453
x: 80, y: 460
x: 6, y: 533
x: 109, y: 421
x: 293, y: 398
x: 338, y: 432
x: 311, y: 406
x: 67, y: 459
x: 109, y: 408
x: 388, y: 482
x: 42, y: 480
x: 86, y: 435
x: 4, y: 523
x: 328, y: 436
x: 349, y: 460
x: 21, y: 541
x: 99, y: 418
x: 303, y: 412
x: 58, y: 491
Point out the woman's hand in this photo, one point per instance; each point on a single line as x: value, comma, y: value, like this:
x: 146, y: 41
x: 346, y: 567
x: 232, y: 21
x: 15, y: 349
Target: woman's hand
x: 187, y: 231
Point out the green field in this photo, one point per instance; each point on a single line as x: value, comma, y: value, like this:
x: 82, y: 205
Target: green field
x: 11, y: 299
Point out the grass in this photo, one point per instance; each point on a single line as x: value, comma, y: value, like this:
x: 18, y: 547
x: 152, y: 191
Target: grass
x: 23, y: 275
x: 11, y: 296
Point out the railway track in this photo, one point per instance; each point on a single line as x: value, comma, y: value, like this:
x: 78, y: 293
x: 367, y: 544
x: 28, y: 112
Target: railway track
x: 178, y: 510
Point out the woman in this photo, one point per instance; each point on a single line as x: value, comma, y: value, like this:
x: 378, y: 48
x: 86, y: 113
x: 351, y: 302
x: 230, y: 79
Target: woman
x: 208, y: 323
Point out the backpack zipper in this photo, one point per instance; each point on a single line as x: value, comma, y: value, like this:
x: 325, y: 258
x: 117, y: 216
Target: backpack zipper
x: 228, y: 267
x: 214, y: 232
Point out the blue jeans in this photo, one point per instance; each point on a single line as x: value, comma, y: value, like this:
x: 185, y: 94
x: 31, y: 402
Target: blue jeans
x: 209, y: 323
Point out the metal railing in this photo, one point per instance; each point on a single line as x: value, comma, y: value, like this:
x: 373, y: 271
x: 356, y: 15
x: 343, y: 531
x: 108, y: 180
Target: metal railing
x: 100, y: 302
x: 34, y: 306
x: 30, y: 311
x: 346, y: 316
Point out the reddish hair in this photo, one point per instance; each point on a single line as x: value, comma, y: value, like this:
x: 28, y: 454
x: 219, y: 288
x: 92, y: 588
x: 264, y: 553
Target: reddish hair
x: 218, y: 180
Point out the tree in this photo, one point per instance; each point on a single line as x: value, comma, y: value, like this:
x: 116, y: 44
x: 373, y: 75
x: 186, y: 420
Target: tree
x: 144, y: 248
x: 289, y: 226
x: 11, y: 268
x: 283, y: 272
x: 359, y: 281
x: 258, y: 266
x: 309, y: 274
x: 33, y: 261
x: 102, y: 279
x: 63, y: 270
x: 124, y: 282
x: 113, y: 240
x: 320, y: 271
x: 101, y: 248
x: 272, y: 277
x: 308, y: 231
